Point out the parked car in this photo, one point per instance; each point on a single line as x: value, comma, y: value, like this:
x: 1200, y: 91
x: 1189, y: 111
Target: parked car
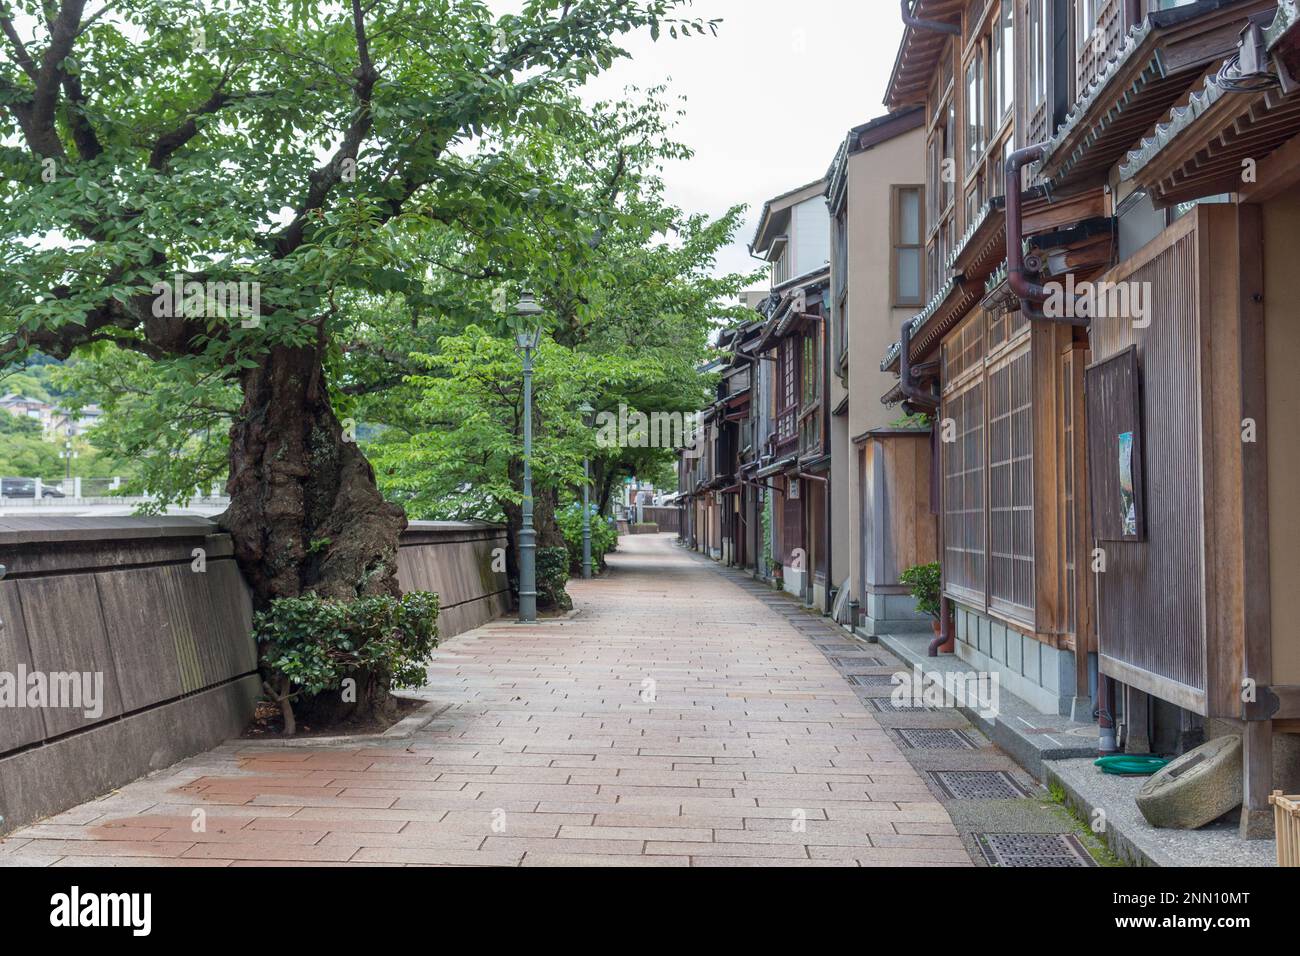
x: 26, y: 488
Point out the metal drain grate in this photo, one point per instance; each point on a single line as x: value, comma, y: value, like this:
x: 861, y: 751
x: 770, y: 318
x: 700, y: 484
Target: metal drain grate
x: 839, y: 649
x: 850, y: 662
x: 928, y: 738
x: 886, y: 706
x: 1033, y: 849
x: 979, y: 784
x: 873, y: 680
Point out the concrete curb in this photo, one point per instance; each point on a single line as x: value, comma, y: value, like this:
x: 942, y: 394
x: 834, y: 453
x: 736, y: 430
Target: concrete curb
x: 1138, y: 843
x: 404, y: 729
x: 1115, y: 835
x: 1031, y: 750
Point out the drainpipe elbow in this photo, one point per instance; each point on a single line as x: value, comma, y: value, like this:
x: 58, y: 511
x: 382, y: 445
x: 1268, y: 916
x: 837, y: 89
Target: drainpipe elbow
x: 1031, y: 294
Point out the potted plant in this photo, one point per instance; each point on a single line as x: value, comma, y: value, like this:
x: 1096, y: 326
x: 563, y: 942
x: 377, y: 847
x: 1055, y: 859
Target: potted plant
x: 924, y: 582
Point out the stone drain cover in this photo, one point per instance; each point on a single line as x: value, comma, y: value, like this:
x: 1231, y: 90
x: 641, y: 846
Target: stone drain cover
x: 1033, y: 849
x: 928, y: 738
x: 979, y: 784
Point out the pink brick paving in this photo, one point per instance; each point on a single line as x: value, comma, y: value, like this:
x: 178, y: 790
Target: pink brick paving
x: 676, y: 721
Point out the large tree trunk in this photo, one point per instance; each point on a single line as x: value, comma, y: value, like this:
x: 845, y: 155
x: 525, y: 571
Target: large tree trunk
x: 305, y: 513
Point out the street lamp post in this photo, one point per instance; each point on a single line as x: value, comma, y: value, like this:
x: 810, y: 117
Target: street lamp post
x: 68, y: 454
x: 527, y: 340
x: 587, y: 413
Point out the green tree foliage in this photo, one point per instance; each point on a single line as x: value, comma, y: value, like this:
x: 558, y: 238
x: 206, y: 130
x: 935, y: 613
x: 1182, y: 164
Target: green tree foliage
x: 630, y: 303
x: 327, y: 155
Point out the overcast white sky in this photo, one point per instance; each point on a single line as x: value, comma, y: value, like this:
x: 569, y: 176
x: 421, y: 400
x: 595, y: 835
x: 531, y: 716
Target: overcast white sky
x: 769, y: 100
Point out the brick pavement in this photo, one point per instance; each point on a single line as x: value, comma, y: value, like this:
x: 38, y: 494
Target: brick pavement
x: 677, y: 720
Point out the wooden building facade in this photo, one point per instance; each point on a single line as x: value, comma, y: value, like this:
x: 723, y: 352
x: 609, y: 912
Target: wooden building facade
x: 1108, y: 350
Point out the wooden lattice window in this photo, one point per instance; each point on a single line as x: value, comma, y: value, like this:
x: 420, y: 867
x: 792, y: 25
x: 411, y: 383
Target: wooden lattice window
x: 789, y: 391
x: 1005, y: 327
x: 1074, y: 505
x: 1099, y: 33
x: 963, y: 493
x: 964, y: 349
x: 1011, y: 486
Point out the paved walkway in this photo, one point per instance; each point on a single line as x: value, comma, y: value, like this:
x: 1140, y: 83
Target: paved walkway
x: 678, y: 719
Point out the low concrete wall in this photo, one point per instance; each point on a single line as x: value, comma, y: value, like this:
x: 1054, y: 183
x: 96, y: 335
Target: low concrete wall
x: 455, y: 559
x: 152, y: 617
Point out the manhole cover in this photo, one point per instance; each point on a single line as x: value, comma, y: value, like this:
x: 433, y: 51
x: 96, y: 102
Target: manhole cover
x: 872, y: 680
x: 886, y: 706
x: 928, y: 738
x: 840, y: 649
x: 857, y: 662
x: 978, y: 784
x: 1033, y: 849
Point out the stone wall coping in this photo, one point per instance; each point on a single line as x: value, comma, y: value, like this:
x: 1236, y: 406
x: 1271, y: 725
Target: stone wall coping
x: 16, y: 531
x: 38, y: 528
x: 455, y: 526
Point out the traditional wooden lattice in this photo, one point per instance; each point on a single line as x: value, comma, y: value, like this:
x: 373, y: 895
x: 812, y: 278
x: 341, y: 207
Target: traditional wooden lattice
x: 1011, y: 490
x: 963, y: 498
x: 1101, y: 31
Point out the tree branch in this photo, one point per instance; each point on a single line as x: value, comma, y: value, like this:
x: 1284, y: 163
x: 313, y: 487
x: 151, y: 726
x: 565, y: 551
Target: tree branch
x: 39, y: 129
x: 20, y: 50
x: 168, y: 143
x: 324, y: 179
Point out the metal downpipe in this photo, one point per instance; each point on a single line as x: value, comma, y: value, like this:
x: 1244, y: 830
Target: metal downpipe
x: 1030, y: 294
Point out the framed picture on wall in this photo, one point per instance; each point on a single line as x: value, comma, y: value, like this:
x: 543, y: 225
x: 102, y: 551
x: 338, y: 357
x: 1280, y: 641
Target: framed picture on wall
x: 1114, y: 399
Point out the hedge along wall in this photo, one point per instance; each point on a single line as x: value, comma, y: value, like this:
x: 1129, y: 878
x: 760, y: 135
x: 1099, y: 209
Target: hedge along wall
x: 164, y: 641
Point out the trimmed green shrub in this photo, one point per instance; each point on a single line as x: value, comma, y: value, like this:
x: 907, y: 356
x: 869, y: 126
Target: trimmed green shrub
x: 924, y: 581
x: 604, y: 537
x: 552, y: 573
x: 310, y: 645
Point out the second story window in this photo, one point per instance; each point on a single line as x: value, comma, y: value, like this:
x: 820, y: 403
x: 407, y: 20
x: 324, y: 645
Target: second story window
x: 906, y: 232
x: 1037, y: 70
x: 811, y: 377
x: 840, y: 279
x: 1002, y: 69
x: 975, y: 109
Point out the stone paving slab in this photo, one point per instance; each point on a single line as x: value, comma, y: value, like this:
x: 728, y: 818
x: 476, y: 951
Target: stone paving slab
x: 968, y: 822
x: 676, y: 720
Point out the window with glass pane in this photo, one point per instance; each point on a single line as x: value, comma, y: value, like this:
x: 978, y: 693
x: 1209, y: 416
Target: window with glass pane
x: 974, y: 111
x: 1004, y: 62
x: 811, y: 378
x: 949, y: 170
x: 1037, y: 53
x: 907, y: 231
x: 1087, y: 20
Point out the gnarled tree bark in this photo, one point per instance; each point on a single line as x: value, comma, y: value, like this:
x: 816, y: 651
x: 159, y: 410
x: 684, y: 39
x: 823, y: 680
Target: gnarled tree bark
x: 306, y: 516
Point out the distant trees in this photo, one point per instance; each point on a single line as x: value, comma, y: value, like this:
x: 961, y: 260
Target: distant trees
x: 373, y: 174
